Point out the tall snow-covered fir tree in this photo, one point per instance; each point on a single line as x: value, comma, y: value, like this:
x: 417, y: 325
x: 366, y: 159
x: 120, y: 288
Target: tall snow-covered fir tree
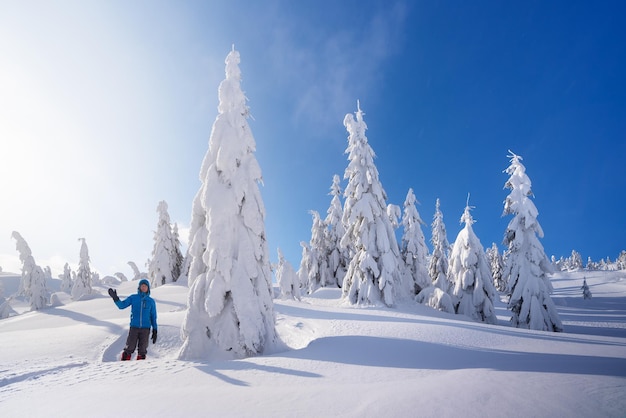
x: 496, y: 264
x: 374, y: 268
x: 338, y: 256
x: 287, y: 279
x: 230, y: 310
x: 82, y: 283
x: 164, y: 266
x: 33, y: 283
x: 473, y: 292
x: 413, y: 245
x: 438, y: 264
x: 526, y: 264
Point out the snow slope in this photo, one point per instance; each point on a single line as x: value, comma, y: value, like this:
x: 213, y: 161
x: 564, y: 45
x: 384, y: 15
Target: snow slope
x: 344, y: 361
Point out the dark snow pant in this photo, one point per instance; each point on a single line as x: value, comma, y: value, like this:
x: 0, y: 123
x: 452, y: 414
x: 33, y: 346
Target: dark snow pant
x: 137, y: 335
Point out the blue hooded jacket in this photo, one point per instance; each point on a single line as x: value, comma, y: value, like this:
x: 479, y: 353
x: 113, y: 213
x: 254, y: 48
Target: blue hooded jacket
x: 143, y: 308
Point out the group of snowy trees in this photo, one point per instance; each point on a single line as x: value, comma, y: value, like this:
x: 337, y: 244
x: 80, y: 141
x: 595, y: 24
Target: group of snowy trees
x: 165, y: 267
x: 33, y: 287
x: 575, y: 262
x: 355, y: 248
x: 167, y: 259
x: 230, y: 304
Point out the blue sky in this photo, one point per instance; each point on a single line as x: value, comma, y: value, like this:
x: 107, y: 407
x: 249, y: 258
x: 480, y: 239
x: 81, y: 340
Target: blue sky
x: 106, y: 108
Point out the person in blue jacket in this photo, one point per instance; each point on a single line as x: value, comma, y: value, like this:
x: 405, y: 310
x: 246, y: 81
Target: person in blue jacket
x: 143, y: 316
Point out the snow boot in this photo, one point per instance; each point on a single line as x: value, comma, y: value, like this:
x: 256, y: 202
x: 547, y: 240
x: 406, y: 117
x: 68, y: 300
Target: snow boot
x: 125, y: 356
x: 141, y: 356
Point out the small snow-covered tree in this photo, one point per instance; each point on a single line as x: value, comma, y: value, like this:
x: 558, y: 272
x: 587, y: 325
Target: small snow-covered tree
x: 82, y: 284
x: 95, y: 279
x: 288, y: 281
x: 585, y: 289
x: 496, y: 264
x: 66, y: 279
x: 438, y: 264
x: 435, y: 298
x: 33, y: 283
x: 164, y: 266
x: 338, y: 256
x: 526, y: 264
x: 184, y: 269
x: 591, y: 265
x: 178, y: 258
x: 413, y: 248
x: 230, y: 307
x: 47, y: 271
x: 620, y: 262
x: 5, y: 308
x: 306, y: 264
x: 317, y: 266
x: 473, y: 292
x: 374, y: 268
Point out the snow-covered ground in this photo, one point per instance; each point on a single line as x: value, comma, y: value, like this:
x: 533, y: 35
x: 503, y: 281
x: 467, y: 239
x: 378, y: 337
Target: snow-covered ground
x: 409, y: 361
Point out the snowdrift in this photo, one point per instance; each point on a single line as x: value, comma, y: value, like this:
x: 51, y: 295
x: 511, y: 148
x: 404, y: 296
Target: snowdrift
x: 342, y: 361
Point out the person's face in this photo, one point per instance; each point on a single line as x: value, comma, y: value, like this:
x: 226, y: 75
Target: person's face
x: 143, y: 288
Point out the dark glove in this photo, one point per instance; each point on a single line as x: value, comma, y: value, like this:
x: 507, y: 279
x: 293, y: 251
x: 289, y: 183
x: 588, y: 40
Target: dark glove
x: 113, y: 294
x: 154, y: 335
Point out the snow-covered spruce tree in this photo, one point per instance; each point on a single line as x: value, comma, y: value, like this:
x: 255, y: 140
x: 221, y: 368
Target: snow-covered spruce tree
x: 318, y: 271
x: 230, y: 307
x: 374, y: 268
x: 184, y: 269
x: 162, y: 267
x: 306, y: 264
x: 178, y: 258
x: 496, y: 265
x: 82, y: 283
x: 473, y: 292
x: 5, y: 308
x: 47, y: 271
x: 620, y: 262
x: 413, y: 248
x: 526, y: 264
x: 438, y: 264
x: 585, y: 289
x: 575, y: 261
x: 95, y: 279
x: 66, y: 279
x: 33, y: 283
x: 288, y: 281
x: 338, y: 257
x: 591, y: 265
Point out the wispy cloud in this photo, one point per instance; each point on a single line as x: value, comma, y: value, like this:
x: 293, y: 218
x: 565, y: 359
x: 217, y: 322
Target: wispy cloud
x: 326, y: 69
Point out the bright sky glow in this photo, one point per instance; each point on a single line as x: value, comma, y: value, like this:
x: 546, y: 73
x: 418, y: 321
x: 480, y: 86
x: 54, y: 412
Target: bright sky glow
x: 106, y: 109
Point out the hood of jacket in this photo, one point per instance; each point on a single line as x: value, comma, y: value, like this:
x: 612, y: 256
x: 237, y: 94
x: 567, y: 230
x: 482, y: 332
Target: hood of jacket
x: 143, y: 281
